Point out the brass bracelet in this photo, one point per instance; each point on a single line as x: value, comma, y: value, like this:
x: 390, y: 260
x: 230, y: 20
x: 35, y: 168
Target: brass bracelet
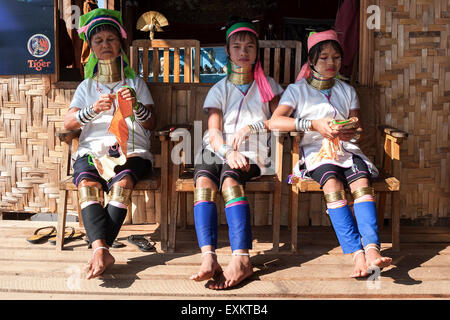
x: 205, y: 194
x: 334, y: 196
x: 232, y: 193
x: 362, y: 192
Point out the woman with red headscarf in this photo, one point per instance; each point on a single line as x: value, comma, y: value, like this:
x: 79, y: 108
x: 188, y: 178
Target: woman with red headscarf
x: 326, y: 110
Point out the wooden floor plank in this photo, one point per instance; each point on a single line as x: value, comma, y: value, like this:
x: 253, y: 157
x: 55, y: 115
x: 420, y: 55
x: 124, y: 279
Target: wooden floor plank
x: 155, y: 258
x: 255, y: 288
x: 318, y: 271
x: 262, y: 272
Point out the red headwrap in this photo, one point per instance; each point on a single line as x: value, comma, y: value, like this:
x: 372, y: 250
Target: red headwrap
x: 314, y: 39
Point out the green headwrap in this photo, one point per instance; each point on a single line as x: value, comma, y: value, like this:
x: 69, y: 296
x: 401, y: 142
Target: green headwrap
x: 90, y: 21
x: 243, y: 26
x: 237, y: 27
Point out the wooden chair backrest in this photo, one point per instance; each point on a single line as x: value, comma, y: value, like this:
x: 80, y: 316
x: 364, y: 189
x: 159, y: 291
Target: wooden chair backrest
x: 180, y: 104
x: 281, y: 59
x: 370, y: 140
x: 142, y: 48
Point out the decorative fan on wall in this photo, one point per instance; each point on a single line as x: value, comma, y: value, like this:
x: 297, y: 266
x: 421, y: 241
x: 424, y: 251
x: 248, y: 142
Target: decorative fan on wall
x: 151, y: 21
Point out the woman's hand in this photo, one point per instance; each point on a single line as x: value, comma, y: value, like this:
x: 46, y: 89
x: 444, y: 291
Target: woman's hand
x: 127, y: 94
x: 323, y: 127
x: 104, y: 102
x: 237, y: 161
x: 239, y: 137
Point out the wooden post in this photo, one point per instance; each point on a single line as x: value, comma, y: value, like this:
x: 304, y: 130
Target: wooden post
x: 277, y: 193
x: 166, y: 65
x: 134, y: 59
x: 176, y: 65
x: 173, y: 209
x: 164, y: 190
x: 187, y: 65
x: 145, y: 64
x: 61, y: 219
x: 155, y: 64
x: 197, y: 63
x: 294, y: 196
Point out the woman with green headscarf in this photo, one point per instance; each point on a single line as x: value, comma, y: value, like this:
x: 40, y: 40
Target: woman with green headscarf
x: 235, y: 151
x: 103, y: 160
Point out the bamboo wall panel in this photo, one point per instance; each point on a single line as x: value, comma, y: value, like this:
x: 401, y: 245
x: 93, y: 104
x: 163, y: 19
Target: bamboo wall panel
x: 412, y: 69
x: 29, y: 152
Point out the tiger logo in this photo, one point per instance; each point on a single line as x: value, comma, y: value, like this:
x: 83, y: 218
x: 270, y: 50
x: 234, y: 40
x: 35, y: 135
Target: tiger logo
x: 39, y: 45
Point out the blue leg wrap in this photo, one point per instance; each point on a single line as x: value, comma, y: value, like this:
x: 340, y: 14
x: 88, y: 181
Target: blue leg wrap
x: 366, y: 217
x: 346, y: 229
x: 239, y: 227
x: 205, y: 216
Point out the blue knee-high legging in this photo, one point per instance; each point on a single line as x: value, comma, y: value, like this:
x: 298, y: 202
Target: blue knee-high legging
x: 345, y: 228
x: 366, y: 218
x: 349, y: 232
x: 237, y: 212
x: 205, y: 217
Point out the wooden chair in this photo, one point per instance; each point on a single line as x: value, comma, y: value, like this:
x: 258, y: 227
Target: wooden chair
x: 183, y: 183
x: 162, y: 98
x: 276, y: 58
x: 144, y: 47
x: 387, y: 182
x: 158, y: 181
x: 281, y: 59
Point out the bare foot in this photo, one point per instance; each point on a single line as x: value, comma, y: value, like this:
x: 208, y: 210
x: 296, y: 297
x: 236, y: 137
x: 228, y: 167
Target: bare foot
x: 239, y: 269
x: 210, y: 268
x: 374, y: 258
x: 360, y: 269
x: 101, y: 260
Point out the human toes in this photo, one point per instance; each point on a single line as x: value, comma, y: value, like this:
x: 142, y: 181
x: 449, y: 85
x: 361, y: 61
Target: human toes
x: 218, y: 282
x: 201, y: 275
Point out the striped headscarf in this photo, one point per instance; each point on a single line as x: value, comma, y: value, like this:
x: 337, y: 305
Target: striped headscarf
x: 89, y: 22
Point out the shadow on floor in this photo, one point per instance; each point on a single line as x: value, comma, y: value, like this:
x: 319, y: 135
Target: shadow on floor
x: 312, y: 245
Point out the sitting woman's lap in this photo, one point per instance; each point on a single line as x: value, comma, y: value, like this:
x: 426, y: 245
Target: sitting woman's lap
x: 127, y: 175
x: 347, y: 176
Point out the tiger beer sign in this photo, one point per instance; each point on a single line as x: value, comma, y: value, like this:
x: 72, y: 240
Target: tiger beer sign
x: 28, y: 43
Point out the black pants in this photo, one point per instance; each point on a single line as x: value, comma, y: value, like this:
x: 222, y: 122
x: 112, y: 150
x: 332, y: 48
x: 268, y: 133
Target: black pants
x: 357, y: 171
x: 105, y: 223
x: 218, y: 171
x: 135, y: 167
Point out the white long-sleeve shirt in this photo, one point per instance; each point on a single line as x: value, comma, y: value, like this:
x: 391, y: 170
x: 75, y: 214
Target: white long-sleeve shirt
x: 310, y: 103
x: 239, y: 110
x: 95, y: 137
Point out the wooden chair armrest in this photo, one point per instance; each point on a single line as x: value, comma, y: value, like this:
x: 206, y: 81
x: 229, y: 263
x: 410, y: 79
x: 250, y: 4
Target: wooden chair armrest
x: 166, y: 130
x: 67, y: 135
x: 283, y: 134
x: 394, y: 132
x: 296, y: 134
x: 393, y: 138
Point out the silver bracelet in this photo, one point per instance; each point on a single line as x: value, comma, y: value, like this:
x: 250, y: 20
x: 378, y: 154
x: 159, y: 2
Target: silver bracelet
x: 85, y: 115
x: 302, y: 125
x: 142, y: 113
x: 224, y: 150
x: 257, y: 127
